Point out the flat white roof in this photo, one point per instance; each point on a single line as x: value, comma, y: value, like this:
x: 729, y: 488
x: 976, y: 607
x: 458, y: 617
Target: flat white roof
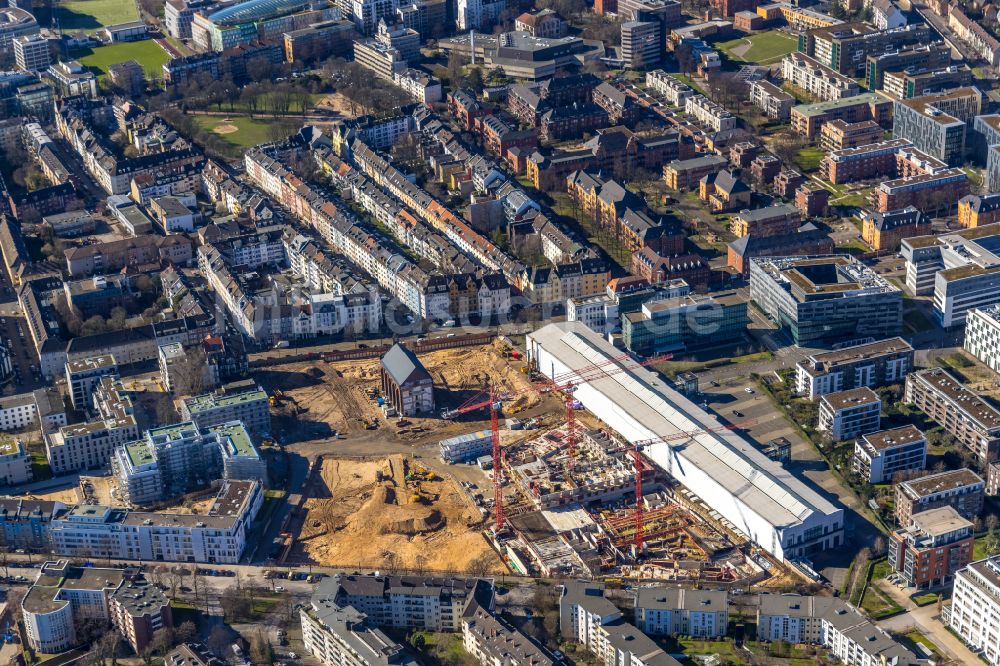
x: 758, y: 482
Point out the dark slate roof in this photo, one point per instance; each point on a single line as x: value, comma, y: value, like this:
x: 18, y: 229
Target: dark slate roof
x: 403, y: 365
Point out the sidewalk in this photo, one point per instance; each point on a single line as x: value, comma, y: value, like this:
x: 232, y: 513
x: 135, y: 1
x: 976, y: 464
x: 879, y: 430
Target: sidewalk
x: 925, y: 619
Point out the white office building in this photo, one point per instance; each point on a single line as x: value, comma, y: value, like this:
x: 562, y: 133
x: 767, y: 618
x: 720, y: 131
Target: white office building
x: 975, y: 607
x: 752, y: 493
x: 982, y: 335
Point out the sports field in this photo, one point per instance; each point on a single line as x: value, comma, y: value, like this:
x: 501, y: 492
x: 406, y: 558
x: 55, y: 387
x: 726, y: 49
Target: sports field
x: 92, y: 15
x: 147, y: 53
x: 237, y: 130
x: 762, y: 48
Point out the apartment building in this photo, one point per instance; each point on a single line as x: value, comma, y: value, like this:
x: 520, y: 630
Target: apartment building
x: 641, y: 46
x: 932, y: 548
x: 671, y: 611
x: 845, y: 48
x: 83, y: 376
x: 960, y: 411
x: 816, y: 79
x: 803, y: 241
x: 977, y: 210
x: 762, y: 222
x: 174, y: 459
x: 787, y: 182
x: 64, y: 597
x: 31, y: 53
x: 406, y: 602
x: 216, y: 537
x: 936, y: 123
x: 961, y: 489
x: 974, y: 613
x: 90, y: 445
x: 244, y: 402
x: 685, y: 174
x: 826, y: 298
x: 808, y: 119
x: 961, y: 269
x: 588, y: 618
x: 985, y: 45
x: 15, y: 463
x: 878, y: 456
x: 916, y: 83
x: 830, y: 622
x: 872, y: 160
x: 869, y: 364
x: 886, y: 231
x: 772, y: 101
x: 492, y: 640
x: 850, y: 413
x: 932, y: 56
x: 838, y: 135
x: 709, y: 113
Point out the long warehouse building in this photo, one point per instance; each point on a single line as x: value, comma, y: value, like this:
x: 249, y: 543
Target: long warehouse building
x: 755, y: 494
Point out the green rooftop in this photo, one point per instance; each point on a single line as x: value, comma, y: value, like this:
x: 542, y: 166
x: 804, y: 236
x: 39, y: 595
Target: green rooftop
x: 237, y: 439
x: 10, y: 447
x: 820, y: 108
x: 139, y: 453
x: 208, y: 401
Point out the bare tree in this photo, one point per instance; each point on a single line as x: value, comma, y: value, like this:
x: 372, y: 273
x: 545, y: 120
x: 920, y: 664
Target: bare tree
x: 481, y: 565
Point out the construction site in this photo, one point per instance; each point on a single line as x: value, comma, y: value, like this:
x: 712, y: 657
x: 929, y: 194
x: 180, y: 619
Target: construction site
x: 392, y: 512
x: 343, y: 398
x: 564, y: 496
x: 579, y: 501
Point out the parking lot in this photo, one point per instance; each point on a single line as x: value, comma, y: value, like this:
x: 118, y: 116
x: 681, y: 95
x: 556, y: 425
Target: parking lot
x: 727, y: 394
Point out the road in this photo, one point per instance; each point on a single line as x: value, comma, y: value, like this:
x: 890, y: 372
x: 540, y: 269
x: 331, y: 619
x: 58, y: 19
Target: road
x: 926, y: 620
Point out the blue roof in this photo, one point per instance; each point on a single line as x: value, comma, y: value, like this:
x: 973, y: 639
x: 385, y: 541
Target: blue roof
x: 253, y: 10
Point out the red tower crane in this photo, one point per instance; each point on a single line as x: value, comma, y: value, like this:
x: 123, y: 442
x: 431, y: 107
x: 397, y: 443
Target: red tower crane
x: 560, y: 382
x: 637, y: 458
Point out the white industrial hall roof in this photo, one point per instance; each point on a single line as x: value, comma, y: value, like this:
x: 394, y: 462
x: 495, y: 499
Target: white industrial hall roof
x: 759, y: 483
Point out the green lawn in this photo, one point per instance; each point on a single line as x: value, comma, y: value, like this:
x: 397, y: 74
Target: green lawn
x: 147, y: 53
x: 250, y: 131
x: 809, y: 158
x: 92, y: 15
x: 765, y: 47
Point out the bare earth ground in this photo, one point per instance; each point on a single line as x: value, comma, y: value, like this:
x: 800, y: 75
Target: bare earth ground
x: 338, y: 103
x: 336, y: 394
x: 359, y: 519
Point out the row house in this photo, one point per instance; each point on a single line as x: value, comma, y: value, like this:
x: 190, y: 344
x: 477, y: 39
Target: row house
x: 529, y: 102
x: 657, y: 269
x: 615, y: 151
x: 544, y: 284
x: 466, y: 239
x: 621, y: 108
x: 571, y: 122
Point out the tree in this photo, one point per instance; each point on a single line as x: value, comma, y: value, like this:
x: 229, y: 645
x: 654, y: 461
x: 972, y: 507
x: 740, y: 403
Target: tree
x: 392, y: 562
x: 187, y: 632
x: 475, y: 80
x: 261, y: 651
x: 456, y: 68
x: 188, y: 373
x: 93, y: 326
x: 218, y: 641
x: 108, y: 646
x: 481, y: 564
x: 234, y: 604
x: 163, y: 641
